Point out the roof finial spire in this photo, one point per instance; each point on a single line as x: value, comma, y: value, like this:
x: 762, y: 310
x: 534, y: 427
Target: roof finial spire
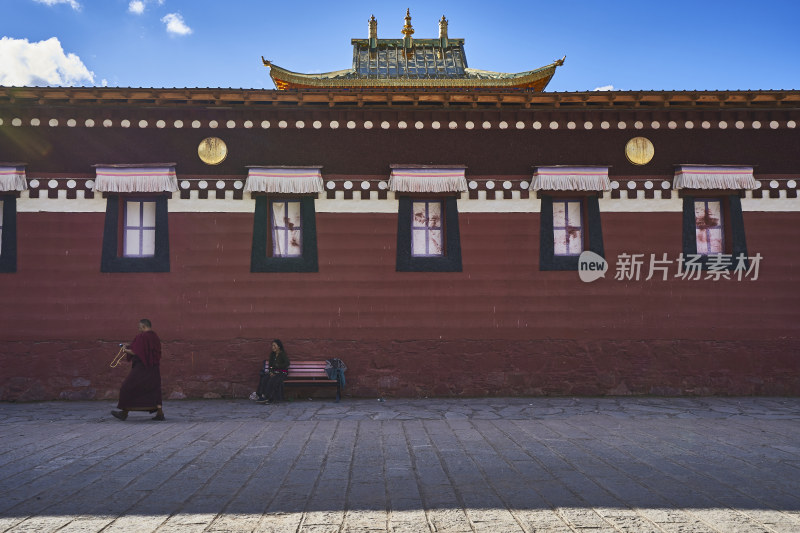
x: 408, y: 31
x: 443, y: 32
x: 373, y: 33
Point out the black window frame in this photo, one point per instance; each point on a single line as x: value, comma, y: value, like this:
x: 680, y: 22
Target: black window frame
x: 8, y: 253
x: 451, y: 260
x: 112, y: 260
x: 735, y: 241
x: 592, y: 238
x: 261, y: 258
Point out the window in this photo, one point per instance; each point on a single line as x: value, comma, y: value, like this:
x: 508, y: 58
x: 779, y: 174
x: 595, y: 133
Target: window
x: 136, y: 234
x: 284, y: 234
x: 428, y: 238
x: 139, y: 234
x: 709, y: 227
x: 286, y: 228
x: 713, y: 224
x: 8, y: 233
x: 568, y: 226
x: 426, y: 229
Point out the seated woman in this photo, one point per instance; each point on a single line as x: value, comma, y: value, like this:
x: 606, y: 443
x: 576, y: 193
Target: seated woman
x: 278, y: 369
x: 263, y: 379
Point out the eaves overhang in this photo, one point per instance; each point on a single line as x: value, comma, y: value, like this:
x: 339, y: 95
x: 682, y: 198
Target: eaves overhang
x: 220, y: 98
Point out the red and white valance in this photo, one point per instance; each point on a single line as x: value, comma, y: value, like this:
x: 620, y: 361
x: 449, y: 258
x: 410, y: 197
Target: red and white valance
x: 12, y: 178
x: 428, y: 179
x: 562, y: 178
x: 713, y: 177
x: 136, y: 178
x: 288, y: 180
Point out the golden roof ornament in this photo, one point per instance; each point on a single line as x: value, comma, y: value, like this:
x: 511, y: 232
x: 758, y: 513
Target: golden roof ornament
x: 373, y: 33
x: 411, y: 63
x: 443, y: 41
x: 408, y: 31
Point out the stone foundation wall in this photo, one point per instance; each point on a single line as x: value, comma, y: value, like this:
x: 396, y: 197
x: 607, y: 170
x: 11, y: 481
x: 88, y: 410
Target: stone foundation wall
x: 79, y: 371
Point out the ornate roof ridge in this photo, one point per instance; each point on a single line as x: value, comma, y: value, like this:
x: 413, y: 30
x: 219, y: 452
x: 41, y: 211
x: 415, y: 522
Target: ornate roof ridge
x: 411, y: 63
x: 536, y: 79
x: 426, y: 41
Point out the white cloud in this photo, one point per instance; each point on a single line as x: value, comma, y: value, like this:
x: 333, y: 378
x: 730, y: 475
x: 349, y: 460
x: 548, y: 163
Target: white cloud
x: 136, y: 7
x: 604, y: 88
x: 72, y: 3
x: 176, y: 25
x: 40, y: 63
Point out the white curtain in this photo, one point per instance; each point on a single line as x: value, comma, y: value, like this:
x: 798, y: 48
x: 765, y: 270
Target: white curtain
x: 570, y: 179
x: 125, y: 178
x: 12, y: 178
x: 428, y: 180
x: 284, y: 180
x: 714, y: 177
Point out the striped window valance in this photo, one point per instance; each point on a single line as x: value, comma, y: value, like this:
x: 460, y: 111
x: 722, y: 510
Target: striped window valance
x: 12, y: 177
x: 563, y: 178
x: 428, y: 179
x: 136, y: 178
x: 714, y: 177
x: 287, y: 180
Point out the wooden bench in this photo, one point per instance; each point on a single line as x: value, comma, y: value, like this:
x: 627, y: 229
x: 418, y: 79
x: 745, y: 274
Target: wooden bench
x: 310, y: 374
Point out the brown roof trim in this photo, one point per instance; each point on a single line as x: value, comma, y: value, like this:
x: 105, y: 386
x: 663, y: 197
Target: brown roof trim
x: 283, y: 166
x: 400, y: 165
x: 133, y: 165
x: 259, y: 98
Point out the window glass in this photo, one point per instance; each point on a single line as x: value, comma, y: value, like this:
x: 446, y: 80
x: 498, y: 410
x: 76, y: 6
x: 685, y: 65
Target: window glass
x: 139, y: 236
x: 284, y: 235
x: 428, y: 237
x: 136, y: 234
x: 132, y: 213
x: 427, y: 229
x: 148, y: 242
x: 287, y: 233
x: 149, y: 214
x: 132, y: 243
x: 567, y: 227
x: 709, y: 226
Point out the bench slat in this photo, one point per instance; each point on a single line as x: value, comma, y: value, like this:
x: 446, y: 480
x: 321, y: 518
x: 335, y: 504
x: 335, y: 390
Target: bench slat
x: 312, y: 382
x: 311, y: 373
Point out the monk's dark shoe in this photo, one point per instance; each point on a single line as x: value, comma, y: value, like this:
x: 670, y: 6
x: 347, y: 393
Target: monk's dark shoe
x: 119, y: 415
x: 159, y: 417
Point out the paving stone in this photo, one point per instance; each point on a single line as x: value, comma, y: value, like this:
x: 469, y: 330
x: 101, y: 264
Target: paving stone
x: 496, y: 465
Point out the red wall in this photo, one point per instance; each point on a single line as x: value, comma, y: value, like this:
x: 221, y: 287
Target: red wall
x: 499, y: 327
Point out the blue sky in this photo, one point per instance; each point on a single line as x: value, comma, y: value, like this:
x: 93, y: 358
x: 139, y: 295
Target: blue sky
x: 627, y: 45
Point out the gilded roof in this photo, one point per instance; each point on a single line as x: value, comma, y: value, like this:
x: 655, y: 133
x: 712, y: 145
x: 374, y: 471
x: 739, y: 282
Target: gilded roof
x: 533, y: 79
x: 428, y: 59
x: 409, y: 63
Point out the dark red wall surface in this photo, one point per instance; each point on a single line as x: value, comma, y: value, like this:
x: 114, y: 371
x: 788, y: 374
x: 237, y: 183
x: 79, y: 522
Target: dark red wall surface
x: 500, y: 327
x: 370, y: 151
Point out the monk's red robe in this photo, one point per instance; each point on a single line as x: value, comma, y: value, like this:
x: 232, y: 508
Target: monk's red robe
x: 141, y: 390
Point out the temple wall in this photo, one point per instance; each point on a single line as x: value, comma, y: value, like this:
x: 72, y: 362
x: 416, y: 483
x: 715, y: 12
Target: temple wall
x: 500, y: 327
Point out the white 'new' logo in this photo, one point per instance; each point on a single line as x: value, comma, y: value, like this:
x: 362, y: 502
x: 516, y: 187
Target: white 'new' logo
x: 591, y: 266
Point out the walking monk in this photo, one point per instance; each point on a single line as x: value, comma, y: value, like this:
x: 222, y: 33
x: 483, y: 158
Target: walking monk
x: 141, y: 390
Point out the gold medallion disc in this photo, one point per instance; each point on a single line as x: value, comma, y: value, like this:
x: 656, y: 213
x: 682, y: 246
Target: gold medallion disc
x: 639, y: 151
x: 212, y: 151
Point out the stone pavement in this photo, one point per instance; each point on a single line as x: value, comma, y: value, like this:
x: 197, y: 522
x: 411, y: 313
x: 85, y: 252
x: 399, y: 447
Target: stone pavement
x: 495, y: 465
